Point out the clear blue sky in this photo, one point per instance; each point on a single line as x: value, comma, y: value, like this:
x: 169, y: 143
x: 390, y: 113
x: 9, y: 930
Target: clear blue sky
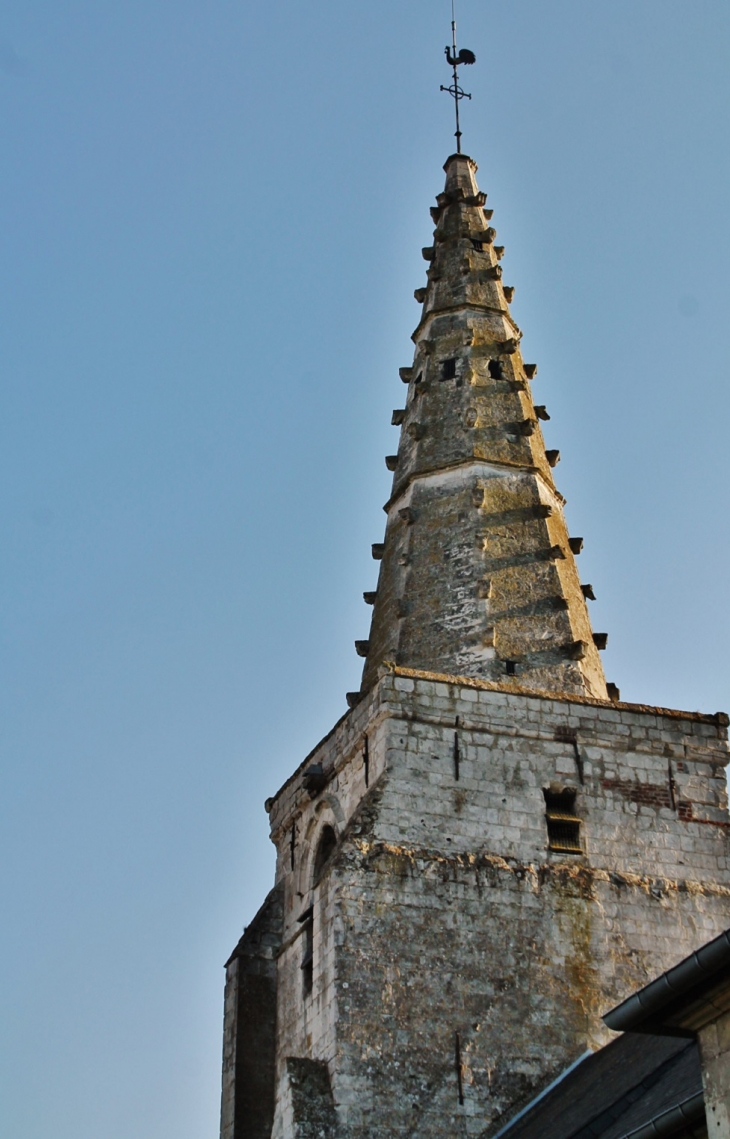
x: 211, y: 223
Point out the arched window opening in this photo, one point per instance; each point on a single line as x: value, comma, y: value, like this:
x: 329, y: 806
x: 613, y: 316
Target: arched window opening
x: 325, y: 847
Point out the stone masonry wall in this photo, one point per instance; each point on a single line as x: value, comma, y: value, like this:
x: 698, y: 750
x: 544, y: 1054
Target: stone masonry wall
x: 307, y: 1026
x: 442, y: 912
x: 518, y: 962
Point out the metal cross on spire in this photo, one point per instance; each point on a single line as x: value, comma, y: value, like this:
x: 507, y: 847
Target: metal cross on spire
x: 454, y: 59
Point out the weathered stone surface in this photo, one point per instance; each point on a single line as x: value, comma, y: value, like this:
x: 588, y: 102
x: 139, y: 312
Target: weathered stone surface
x: 308, y: 1110
x: 443, y: 910
x: 714, y: 1042
x: 482, y: 574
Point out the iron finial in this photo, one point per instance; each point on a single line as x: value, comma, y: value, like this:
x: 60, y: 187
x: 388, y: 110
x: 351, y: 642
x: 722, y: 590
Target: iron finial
x: 454, y: 59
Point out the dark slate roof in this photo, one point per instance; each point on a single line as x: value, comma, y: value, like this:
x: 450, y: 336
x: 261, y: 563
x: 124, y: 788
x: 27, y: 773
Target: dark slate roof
x: 684, y: 999
x: 616, y: 1091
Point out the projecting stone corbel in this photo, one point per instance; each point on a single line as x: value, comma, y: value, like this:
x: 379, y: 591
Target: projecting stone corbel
x: 556, y: 553
x: 314, y: 780
x: 369, y: 596
x: 378, y: 549
x: 600, y: 640
x: 362, y: 648
x: 553, y: 457
x: 508, y: 347
x: 509, y: 293
x: 499, y: 252
x: 406, y: 374
x: 391, y: 462
x: 428, y: 253
x: 576, y: 650
x: 399, y: 414
x: 530, y: 370
x: 576, y: 544
x: 528, y: 427
x: 542, y: 510
x: 408, y: 515
x: 587, y: 591
x: 353, y: 698
x: 420, y: 295
x: 493, y: 273
x: 541, y: 412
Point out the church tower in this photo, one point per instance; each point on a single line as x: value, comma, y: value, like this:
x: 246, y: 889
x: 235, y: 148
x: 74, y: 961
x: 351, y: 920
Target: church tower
x: 489, y: 849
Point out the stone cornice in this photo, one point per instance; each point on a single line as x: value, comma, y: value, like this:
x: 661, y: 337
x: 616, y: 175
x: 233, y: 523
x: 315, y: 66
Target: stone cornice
x: 464, y: 464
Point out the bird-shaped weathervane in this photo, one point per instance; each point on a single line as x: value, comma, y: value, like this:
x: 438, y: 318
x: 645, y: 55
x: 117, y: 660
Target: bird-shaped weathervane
x: 454, y: 59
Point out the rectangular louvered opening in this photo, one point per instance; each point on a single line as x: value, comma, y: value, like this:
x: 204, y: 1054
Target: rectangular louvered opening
x: 563, y: 825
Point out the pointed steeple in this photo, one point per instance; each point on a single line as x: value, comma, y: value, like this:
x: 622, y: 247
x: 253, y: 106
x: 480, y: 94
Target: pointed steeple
x: 478, y: 574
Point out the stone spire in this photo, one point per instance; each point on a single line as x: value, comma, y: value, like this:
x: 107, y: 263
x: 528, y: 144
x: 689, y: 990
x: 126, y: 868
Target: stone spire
x: 478, y: 575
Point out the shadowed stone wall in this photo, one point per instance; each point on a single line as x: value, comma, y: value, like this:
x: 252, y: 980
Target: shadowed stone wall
x: 249, y: 1028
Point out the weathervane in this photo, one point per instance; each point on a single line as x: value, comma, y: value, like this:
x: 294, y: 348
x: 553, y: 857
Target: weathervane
x: 454, y: 59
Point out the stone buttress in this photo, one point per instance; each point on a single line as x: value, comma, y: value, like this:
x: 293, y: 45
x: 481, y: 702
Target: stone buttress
x: 486, y: 852
x: 478, y: 574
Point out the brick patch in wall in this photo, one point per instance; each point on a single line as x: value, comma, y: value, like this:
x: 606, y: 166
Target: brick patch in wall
x: 648, y: 794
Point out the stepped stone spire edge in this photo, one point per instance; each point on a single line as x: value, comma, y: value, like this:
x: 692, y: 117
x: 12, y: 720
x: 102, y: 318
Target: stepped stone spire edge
x: 478, y: 574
